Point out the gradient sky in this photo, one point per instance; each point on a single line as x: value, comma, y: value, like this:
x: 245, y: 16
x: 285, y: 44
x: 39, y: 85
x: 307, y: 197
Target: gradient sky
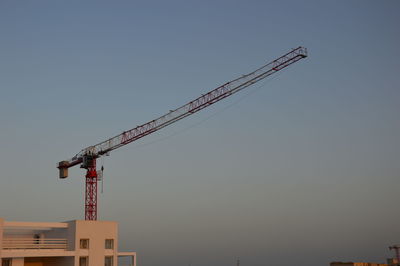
x: 301, y: 169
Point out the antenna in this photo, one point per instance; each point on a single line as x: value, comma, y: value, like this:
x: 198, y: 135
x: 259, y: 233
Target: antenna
x: 102, y: 179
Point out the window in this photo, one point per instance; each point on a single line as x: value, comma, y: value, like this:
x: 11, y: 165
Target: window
x: 6, y: 262
x: 83, y: 261
x: 109, y: 244
x: 108, y: 261
x: 84, y: 243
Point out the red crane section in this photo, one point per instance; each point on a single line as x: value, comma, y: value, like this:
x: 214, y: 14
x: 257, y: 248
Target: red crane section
x: 87, y: 157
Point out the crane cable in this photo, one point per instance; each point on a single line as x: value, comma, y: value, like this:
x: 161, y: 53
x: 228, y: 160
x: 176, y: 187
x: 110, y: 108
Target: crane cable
x: 102, y: 174
x: 250, y: 92
x: 254, y: 90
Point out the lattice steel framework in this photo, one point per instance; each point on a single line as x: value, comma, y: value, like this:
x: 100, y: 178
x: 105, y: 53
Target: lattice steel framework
x: 87, y: 157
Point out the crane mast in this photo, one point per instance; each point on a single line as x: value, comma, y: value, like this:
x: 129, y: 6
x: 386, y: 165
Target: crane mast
x: 87, y: 156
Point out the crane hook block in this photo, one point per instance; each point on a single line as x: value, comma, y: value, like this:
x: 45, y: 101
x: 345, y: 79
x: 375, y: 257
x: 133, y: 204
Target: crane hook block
x: 63, y: 168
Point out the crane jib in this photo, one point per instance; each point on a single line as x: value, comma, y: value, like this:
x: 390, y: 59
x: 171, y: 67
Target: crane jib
x: 87, y: 157
x: 205, y: 100
x: 194, y: 106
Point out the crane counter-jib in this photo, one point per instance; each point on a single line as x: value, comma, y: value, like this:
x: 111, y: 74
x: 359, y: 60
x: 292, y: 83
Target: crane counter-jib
x: 87, y: 157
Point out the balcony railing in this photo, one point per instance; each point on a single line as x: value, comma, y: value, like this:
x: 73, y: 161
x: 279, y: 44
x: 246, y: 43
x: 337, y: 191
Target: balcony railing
x: 33, y: 243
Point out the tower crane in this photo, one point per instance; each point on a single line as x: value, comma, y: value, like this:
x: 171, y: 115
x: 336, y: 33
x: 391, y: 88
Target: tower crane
x: 87, y: 157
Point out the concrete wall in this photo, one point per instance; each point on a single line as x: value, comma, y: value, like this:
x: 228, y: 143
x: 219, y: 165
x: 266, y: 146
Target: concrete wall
x: 17, y: 262
x: 97, y: 232
x: 71, y: 236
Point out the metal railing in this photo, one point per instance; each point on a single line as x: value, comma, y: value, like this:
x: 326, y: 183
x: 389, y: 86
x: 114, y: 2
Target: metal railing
x: 33, y: 243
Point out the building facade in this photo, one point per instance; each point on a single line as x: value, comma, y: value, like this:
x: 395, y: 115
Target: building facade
x: 72, y: 243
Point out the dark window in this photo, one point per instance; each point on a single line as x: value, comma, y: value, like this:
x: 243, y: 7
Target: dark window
x: 84, y: 244
x: 109, y: 244
x: 108, y: 261
x: 6, y: 262
x: 83, y: 261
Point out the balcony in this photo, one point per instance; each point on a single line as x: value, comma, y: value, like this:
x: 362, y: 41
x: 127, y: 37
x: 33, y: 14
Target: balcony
x: 33, y: 243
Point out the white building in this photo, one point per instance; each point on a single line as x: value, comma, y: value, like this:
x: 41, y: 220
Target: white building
x: 73, y: 243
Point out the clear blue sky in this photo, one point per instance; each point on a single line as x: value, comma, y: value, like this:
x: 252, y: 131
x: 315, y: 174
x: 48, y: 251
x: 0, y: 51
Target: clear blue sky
x: 303, y: 171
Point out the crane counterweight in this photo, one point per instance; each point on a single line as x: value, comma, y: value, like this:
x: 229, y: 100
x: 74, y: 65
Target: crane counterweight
x: 87, y: 157
x: 63, y: 168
